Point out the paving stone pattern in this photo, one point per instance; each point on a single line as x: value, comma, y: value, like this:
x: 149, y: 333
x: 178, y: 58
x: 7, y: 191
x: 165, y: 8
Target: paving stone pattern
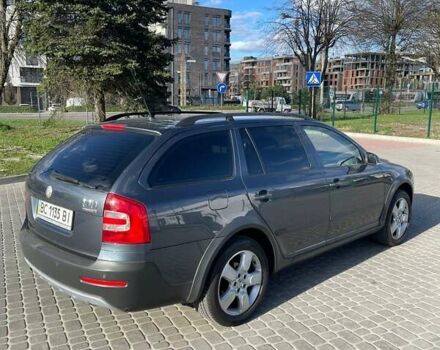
x: 360, y: 296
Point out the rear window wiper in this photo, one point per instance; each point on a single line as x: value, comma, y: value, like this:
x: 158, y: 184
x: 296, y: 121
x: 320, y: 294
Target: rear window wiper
x: 70, y: 179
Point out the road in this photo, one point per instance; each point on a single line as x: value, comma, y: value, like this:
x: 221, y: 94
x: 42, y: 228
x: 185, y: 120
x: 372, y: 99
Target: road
x: 360, y: 296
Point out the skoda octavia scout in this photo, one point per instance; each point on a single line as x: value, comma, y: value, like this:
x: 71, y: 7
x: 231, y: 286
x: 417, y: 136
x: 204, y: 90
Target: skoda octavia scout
x: 141, y: 212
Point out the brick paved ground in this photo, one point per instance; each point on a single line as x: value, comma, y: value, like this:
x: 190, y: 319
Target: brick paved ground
x: 360, y: 296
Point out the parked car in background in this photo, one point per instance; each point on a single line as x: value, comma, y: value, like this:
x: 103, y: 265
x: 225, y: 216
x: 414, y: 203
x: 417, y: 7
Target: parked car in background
x: 232, y: 101
x: 53, y: 107
x: 201, y: 210
x: 351, y: 106
x: 425, y: 104
x: 278, y: 104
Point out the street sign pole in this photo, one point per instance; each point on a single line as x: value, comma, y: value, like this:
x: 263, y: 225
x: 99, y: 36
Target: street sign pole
x: 376, y: 109
x: 428, y: 134
x: 313, y: 81
x: 333, y: 111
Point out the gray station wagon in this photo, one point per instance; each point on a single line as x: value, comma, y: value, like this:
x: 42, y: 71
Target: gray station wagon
x: 142, y: 212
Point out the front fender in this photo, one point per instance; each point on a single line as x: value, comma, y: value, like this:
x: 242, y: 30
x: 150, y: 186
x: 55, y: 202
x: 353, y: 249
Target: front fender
x: 398, y: 182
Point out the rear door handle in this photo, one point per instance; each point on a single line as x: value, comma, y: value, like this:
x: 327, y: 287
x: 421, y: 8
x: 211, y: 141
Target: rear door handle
x: 262, y: 196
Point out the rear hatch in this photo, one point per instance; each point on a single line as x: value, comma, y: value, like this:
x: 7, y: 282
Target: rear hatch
x: 67, y: 189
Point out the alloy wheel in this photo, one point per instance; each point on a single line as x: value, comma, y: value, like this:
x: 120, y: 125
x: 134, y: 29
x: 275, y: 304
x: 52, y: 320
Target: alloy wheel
x: 399, y: 219
x: 240, y: 283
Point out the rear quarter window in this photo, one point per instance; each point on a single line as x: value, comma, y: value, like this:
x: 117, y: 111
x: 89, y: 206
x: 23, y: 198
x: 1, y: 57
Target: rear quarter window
x: 201, y: 157
x: 97, y: 157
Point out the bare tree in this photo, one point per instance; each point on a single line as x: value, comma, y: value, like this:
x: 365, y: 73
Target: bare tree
x: 310, y: 29
x: 427, y: 43
x: 388, y: 25
x: 11, y: 30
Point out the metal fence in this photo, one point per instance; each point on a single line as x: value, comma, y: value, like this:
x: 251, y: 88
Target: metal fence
x: 405, y: 112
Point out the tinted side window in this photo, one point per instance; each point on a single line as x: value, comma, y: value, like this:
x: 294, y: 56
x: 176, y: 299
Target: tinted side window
x: 280, y: 148
x: 333, y: 149
x: 196, y: 158
x: 252, y: 161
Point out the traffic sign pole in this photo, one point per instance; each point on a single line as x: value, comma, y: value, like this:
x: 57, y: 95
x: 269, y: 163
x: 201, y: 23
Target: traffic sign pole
x: 428, y: 133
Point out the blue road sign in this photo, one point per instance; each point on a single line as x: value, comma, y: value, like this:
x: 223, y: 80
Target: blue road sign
x: 313, y: 79
x: 222, y: 88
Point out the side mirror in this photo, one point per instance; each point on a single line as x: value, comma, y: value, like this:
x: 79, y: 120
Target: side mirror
x: 372, y: 158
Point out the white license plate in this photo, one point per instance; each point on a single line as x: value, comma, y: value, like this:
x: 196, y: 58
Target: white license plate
x: 54, y: 214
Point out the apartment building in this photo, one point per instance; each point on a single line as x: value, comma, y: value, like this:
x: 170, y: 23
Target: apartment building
x: 334, y: 75
x: 366, y: 70
x: 25, y: 74
x: 286, y: 71
x: 202, y: 49
x: 234, y: 80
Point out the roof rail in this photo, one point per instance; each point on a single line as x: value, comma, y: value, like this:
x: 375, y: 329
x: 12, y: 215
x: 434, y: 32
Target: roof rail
x: 230, y: 116
x: 196, y: 116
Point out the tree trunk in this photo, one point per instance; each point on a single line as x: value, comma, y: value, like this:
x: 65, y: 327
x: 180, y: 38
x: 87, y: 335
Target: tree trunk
x: 4, y: 68
x: 390, y: 74
x: 99, y: 105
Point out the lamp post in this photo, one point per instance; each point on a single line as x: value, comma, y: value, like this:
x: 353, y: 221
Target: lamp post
x: 183, y: 72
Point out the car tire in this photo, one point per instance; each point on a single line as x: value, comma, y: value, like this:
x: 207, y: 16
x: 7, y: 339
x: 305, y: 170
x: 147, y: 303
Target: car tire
x: 397, y: 221
x: 237, y: 283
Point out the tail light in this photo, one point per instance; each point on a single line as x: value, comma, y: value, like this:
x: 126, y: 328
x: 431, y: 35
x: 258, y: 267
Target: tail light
x: 125, y: 221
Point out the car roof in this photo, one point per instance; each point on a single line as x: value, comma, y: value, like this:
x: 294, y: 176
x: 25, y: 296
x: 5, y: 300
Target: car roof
x: 162, y: 123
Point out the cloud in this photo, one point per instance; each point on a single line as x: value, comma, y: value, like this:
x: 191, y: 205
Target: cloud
x: 248, y: 46
x: 213, y: 3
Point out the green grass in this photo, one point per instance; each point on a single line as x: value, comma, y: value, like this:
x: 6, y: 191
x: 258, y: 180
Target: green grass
x: 24, y: 142
x: 410, y: 124
x: 17, y: 109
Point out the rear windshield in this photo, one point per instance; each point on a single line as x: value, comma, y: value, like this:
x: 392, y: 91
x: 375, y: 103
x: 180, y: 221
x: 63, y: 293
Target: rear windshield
x: 96, y: 157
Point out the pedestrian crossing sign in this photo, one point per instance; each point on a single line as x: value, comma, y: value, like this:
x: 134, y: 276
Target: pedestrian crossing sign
x: 313, y: 79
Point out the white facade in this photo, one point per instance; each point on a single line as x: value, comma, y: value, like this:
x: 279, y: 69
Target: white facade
x: 25, y: 74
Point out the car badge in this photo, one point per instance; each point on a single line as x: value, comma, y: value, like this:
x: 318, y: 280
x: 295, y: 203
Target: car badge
x: 49, y: 191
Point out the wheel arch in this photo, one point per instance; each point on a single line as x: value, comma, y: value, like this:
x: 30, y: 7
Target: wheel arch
x: 259, y: 234
x: 402, y: 185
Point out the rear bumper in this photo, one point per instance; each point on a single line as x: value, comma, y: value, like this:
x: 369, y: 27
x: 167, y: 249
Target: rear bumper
x: 147, y: 286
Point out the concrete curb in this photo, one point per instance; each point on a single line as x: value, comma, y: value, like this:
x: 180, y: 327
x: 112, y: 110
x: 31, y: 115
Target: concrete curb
x: 395, y: 138
x: 12, y: 179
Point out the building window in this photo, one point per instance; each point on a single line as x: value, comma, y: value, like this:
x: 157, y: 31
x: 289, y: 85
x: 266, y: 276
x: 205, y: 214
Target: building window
x: 206, y: 64
x: 187, y: 18
x: 180, y: 17
x: 227, y: 37
x: 184, y: 33
x: 206, y: 21
x: 31, y: 75
x: 187, y: 47
x: 206, y: 35
x: 206, y: 50
x: 216, y: 51
x: 216, y: 65
x: 31, y: 60
x: 216, y: 36
x: 216, y: 21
